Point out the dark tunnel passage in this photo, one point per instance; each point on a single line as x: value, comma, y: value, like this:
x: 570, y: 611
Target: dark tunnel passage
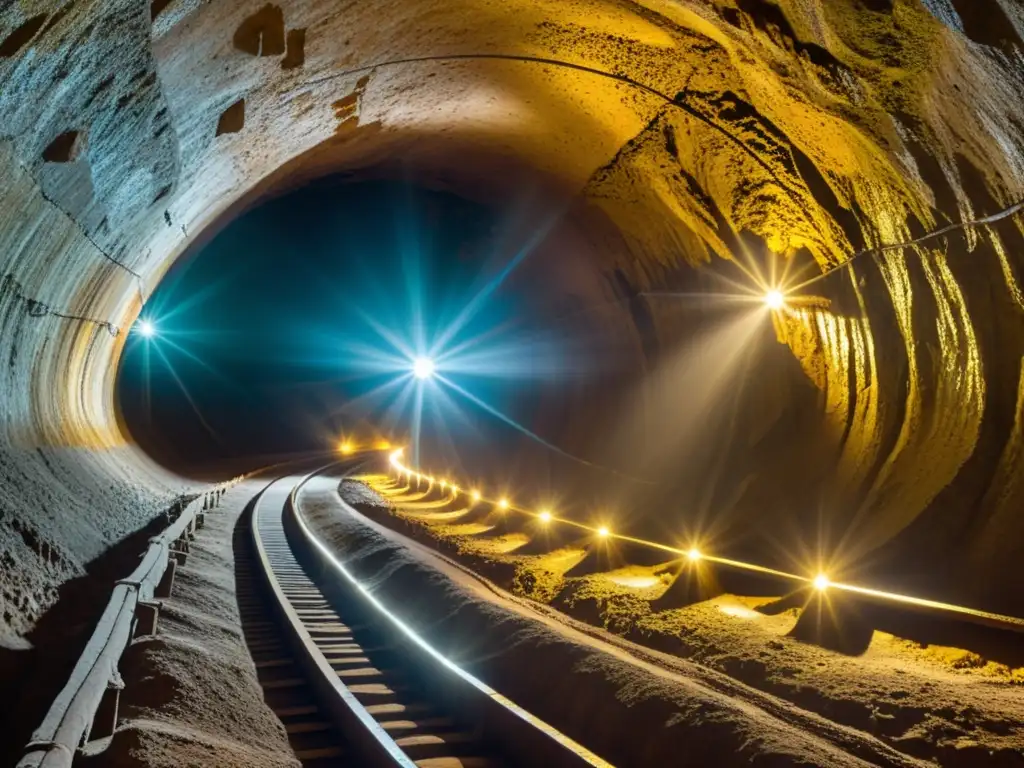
x: 280, y: 335
x: 892, y: 387
x: 298, y: 326
x: 741, y: 276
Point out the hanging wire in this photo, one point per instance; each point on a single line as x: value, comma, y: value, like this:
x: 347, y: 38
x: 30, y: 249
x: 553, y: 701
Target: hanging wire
x: 678, y: 101
x: 880, y: 249
x: 37, y: 308
x: 81, y: 229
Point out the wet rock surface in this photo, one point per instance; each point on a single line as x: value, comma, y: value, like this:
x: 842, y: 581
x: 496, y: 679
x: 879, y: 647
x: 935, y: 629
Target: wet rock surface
x: 690, y: 134
x: 932, y: 692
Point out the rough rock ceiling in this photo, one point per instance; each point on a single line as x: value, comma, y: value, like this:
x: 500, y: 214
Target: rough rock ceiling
x: 688, y: 128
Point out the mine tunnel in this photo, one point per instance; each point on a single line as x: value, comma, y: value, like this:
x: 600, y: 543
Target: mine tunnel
x: 545, y: 382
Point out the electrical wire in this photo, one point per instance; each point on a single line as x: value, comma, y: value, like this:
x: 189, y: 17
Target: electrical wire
x: 880, y: 249
x: 37, y: 308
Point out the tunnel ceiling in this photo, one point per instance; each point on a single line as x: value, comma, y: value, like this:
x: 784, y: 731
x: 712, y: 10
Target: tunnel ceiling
x: 684, y: 131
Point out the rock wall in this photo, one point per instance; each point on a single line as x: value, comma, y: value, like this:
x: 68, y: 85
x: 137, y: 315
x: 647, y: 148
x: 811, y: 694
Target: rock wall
x: 70, y: 487
x: 697, y: 133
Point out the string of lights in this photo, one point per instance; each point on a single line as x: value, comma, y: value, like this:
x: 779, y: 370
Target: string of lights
x: 820, y: 582
x: 546, y: 516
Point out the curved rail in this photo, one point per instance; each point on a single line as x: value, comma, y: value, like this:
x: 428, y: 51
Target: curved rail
x: 394, y: 699
x: 87, y: 705
x: 312, y: 632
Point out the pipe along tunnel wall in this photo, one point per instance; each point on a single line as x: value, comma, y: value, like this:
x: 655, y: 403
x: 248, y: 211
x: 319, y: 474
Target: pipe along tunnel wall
x: 887, y: 414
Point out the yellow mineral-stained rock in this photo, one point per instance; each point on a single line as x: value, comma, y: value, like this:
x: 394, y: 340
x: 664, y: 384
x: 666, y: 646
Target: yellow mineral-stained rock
x: 679, y: 139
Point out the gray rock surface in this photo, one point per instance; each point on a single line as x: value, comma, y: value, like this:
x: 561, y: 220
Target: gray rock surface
x: 819, y: 127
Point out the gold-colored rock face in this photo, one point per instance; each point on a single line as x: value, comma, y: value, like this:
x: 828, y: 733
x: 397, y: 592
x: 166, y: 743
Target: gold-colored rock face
x: 691, y: 131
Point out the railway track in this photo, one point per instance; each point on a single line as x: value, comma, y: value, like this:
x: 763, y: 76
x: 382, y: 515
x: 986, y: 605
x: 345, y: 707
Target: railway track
x: 347, y: 679
x: 315, y: 741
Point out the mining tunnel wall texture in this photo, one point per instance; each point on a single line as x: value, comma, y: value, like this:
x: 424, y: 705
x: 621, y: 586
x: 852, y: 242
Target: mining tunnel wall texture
x: 129, y: 131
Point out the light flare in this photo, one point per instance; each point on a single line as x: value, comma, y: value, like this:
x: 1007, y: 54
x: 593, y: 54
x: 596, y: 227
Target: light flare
x: 423, y: 368
x: 331, y: 558
x: 820, y: 582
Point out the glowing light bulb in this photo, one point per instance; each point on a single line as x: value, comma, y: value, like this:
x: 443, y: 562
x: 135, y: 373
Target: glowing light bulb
x: 503, y: 503
x: 603, y: 532
x: 444, y: 484
x: 346, y: 447
x: 146, y: 329
x: 423, y: 368
x: 545, y: 516
x: 774, y: 299
x: 476, y: 495
x: 694, y: 554
x: 822, y: 582
x: 455, y: 490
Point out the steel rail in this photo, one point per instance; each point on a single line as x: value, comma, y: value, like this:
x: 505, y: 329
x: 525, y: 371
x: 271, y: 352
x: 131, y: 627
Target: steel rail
x: 353, y: 720
x: 504, y: 732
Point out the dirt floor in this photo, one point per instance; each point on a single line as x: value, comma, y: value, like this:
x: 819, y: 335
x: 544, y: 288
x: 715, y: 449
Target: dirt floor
x: 945, y: 695
x: 620, y: 658
x: 631, y: 706
x: 191, y: 696
x: 33, y: 676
